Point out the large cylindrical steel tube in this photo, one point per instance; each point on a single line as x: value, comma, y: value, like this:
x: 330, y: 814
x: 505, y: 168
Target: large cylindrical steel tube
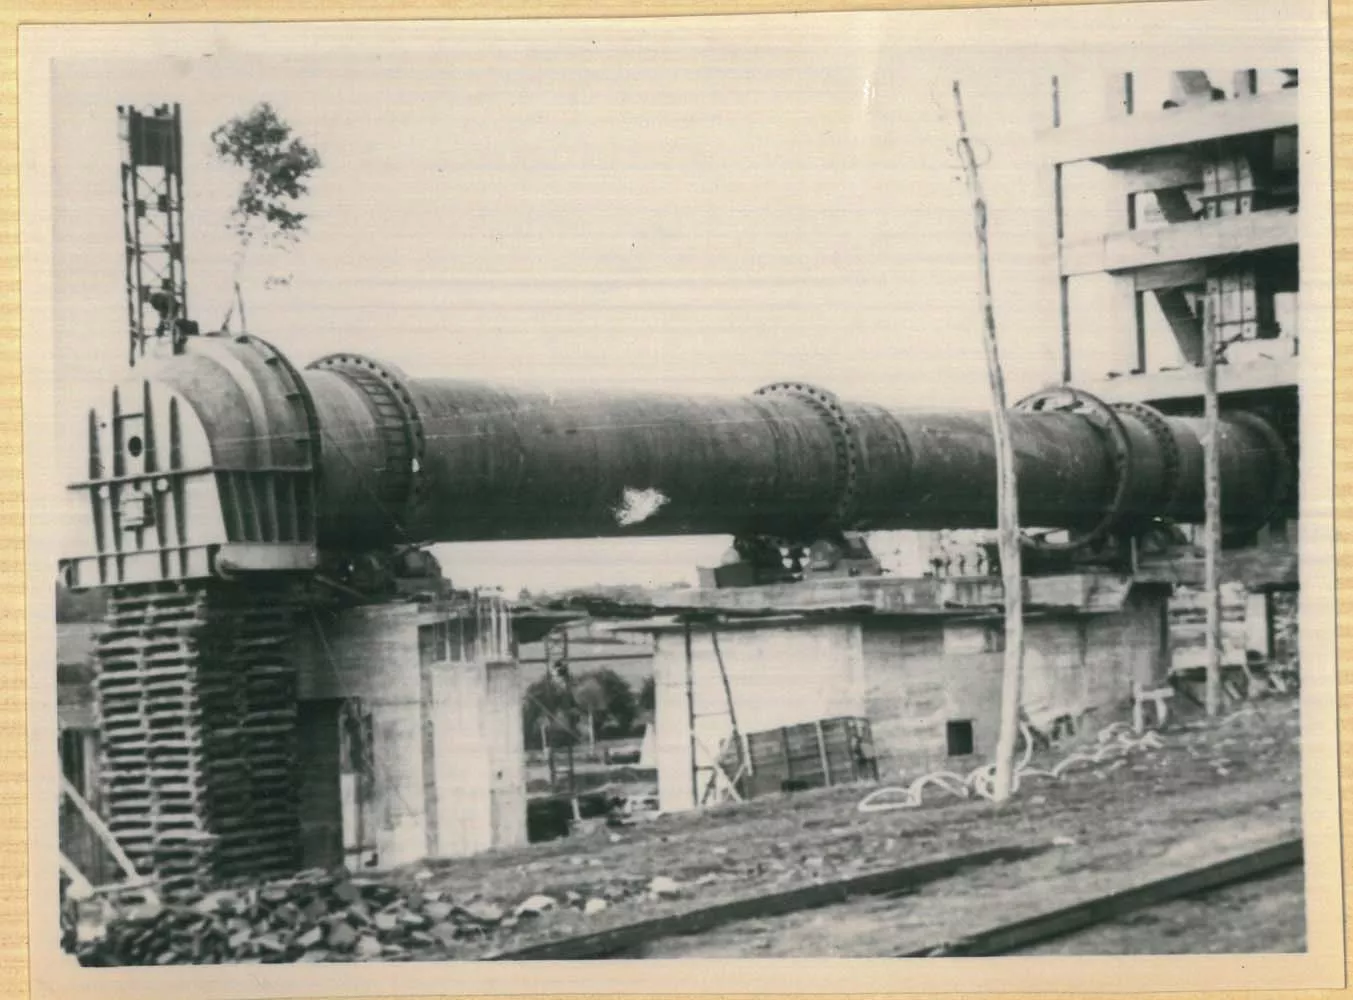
x: 425, y: 459
x: 931, y: 470
x: 226, y: 459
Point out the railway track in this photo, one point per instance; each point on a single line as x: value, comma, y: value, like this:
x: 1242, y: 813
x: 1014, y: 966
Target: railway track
x: 639, y: 939
x: 626, y: 940
x: 1016, y: 936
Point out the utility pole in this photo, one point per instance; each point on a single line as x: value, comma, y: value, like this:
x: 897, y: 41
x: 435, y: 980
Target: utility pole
x: 1211, y: 508
x: 1007, y: 501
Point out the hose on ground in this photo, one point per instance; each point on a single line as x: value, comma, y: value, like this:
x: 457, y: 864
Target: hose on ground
x: 1116, y: 740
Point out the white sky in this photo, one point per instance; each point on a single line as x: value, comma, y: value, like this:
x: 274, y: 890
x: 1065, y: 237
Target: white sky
x: 685, y: 205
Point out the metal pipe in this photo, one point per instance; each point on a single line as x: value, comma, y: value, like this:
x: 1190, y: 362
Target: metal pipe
x: 491, y: 462
x: 227, y: 458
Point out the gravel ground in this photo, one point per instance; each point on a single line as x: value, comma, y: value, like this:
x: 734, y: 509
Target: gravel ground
x: 1213, y: 789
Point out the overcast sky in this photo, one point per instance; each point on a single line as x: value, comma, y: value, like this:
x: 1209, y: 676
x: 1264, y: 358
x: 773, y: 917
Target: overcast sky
x: 686, y: 205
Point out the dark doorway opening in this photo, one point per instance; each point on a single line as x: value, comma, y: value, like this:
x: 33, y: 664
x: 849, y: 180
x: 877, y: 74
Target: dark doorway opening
x: 958, y: 737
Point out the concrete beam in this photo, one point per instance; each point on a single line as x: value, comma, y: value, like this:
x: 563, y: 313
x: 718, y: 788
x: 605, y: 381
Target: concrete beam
x: 1082, y: 592
x: 1186, y: 327
x: 530, y: 625
x: 1175, y: 206
x: 1162, y: 170
x: 1120, y: 138
x: 1186, y: 383
x: 1274, y: 567
x: 1176, y: 275
x: 1186, y: 241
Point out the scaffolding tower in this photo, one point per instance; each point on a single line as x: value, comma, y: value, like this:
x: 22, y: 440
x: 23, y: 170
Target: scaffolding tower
x: 152, y: 213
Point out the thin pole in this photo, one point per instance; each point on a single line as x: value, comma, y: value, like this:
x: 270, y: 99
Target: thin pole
x: 573, y: 783
x: 728, y: 695
x: 1059, y: 214
x: 822, y: 755
x: 1211, y: 508
x: 353, y: 719
x: 239, y: 298
x: 1007, y: 503
x: 690, y: 718
x: 572, y: 703
x: 174, y: 188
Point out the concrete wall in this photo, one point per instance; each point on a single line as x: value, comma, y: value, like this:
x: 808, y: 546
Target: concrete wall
x: 922, y: 676
x: 671, y: 732
x: 1131, y: 645
x: 447, y: 740
x: 912, y: 689
x: 507, y: 758
x: 371, y: 654
x: 480, y: 780
x: 464, y: 821
x: 911, y: 676
x: 925, y: 675
x: 779, y: 675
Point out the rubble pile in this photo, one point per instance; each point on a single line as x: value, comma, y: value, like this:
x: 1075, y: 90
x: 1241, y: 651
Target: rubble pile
x: 316, y: 916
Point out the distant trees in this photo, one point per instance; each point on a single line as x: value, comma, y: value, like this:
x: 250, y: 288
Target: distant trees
x: 610, y: 702
x: 84, y: 606
x: 547, y: 715
x: 602, y: 706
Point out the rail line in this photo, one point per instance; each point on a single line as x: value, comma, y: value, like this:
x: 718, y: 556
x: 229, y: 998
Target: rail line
x: 629, y: 940
x: 1017, y: 935
x: 619, y: 941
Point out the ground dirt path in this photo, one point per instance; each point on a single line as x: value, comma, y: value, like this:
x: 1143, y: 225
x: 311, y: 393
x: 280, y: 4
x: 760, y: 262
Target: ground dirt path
x: 1215, y: 788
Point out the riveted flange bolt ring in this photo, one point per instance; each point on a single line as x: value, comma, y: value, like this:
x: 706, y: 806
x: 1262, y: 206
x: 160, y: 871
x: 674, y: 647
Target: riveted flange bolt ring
x: 1065, y: 399
x: 846, y: 442
x: 387, y: 389
x: 1159, y: 428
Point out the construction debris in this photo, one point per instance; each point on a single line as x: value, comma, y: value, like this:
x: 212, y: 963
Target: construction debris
x: 663, y: 887
x: 317, y: 916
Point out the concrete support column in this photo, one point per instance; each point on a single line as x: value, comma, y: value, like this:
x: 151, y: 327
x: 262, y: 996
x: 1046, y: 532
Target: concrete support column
x: 401, y: 830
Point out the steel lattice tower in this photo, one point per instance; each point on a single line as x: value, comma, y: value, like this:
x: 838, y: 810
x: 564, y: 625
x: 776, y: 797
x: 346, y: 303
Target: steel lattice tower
x: 152, y: 212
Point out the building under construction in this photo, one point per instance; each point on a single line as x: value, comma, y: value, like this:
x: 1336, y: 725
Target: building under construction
x: 285, y: 679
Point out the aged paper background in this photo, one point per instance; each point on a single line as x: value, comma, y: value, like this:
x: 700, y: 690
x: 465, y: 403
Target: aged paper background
x: 53, y: 975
